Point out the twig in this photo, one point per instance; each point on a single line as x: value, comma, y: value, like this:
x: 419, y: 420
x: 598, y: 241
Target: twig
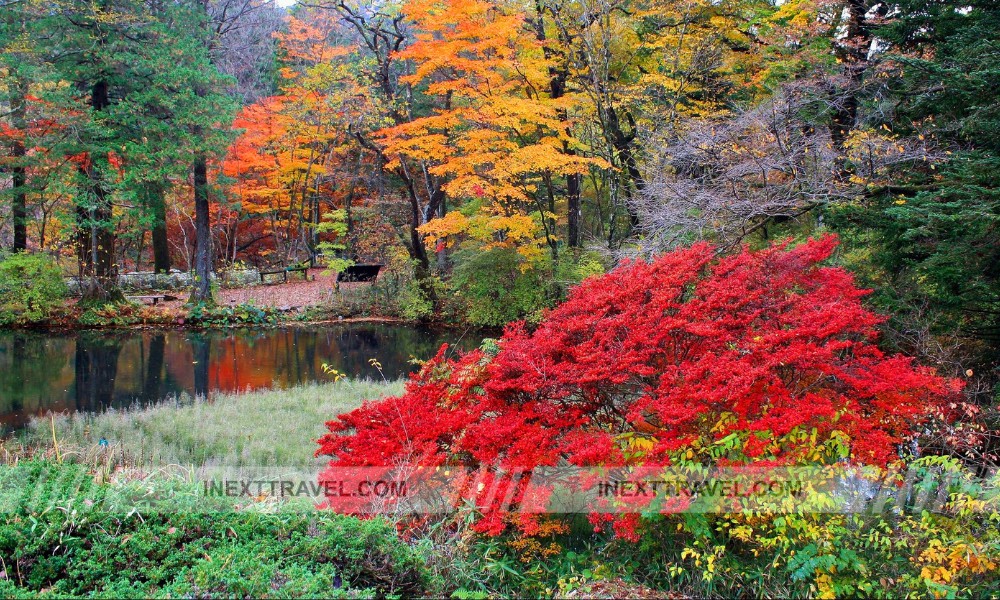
x: 55, y: 442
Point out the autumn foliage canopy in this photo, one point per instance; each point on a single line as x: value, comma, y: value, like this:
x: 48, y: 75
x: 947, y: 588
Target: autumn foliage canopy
x: 657, y: 362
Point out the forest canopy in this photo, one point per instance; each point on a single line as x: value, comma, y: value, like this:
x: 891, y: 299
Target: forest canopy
x: 462, y: 143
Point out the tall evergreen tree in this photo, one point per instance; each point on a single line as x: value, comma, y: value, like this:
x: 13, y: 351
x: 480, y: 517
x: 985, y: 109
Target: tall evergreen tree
x: 938, y: 236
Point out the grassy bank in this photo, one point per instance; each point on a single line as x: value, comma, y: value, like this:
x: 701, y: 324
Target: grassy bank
x: 69, y: 528
x: 263, y: 428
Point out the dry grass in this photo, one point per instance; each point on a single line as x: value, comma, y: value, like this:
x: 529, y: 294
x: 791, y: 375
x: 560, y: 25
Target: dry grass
x: 276, y: 428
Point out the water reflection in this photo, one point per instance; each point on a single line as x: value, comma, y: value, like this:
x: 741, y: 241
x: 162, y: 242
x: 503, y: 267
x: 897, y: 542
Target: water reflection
x: 93, y: 370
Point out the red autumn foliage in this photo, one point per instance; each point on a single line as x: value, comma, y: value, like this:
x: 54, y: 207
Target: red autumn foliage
x: 690, y: 346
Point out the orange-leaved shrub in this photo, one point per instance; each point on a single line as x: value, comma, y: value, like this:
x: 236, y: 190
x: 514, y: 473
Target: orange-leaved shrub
x: 639, y: 366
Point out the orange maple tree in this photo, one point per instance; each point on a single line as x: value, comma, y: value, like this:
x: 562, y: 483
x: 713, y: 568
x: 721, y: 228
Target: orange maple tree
x: 290, y: 142
x: 497, y: 136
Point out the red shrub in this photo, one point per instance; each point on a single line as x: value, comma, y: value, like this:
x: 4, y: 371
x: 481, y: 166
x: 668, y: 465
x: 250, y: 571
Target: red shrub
x: 688, y: 347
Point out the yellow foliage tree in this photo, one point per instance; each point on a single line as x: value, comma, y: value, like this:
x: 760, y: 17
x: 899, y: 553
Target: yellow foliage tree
x: 497, y: 135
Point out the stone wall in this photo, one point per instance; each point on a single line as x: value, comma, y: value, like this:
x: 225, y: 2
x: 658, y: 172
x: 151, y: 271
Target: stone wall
x: 173, y: 281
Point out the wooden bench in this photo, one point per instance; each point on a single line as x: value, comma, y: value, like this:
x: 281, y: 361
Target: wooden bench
x: 284, y: 273
x: 359, y: 273
x: 153, y: 299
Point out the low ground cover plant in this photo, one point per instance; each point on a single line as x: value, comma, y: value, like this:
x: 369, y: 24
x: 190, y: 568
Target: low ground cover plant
x: 64, y: 534
x: 232, y: 316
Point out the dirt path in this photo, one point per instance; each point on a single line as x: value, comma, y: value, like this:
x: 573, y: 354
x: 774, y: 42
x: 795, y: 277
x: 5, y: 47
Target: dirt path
x: 297, y: 293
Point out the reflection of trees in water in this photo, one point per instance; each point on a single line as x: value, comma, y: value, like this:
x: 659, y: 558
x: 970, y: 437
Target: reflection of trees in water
x: 201, y: 350
x: 295, y: 347
x: 152, y: 372
x: 242, y: 359
x: 293, y: 356
x: 393, y: 347
x: 96, y: 370
x: 12, y: 376
x: 357, y: 346
x: 311, y: 360
x: 93, y: 370
x: 35, y: 373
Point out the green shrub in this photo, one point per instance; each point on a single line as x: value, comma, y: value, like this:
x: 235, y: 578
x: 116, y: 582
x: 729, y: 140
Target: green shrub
x: 31, y: 287
x: 497, y: 286
x: 232, y: 316
x: 898, y: 549
x: 116, y: 315
x: 63, y: 534
x: 571, y: 269
x: 414, y: 302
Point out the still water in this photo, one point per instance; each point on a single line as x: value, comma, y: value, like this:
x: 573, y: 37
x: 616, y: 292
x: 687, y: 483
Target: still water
x: 96, y: 370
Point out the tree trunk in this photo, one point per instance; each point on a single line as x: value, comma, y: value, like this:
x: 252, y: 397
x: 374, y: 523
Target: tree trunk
x: 19, y: 172
x: 416, y: 245
x: 623, y: 143
x: 574, y: 210
x: 161, y: 246
x: 316, y: 217
x: 852, y: 51
x: 442, y: 252
x: 202, y: 292
x: 557, y: 89
x: 95, y: 238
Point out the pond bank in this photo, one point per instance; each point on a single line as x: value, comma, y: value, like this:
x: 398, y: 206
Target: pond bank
x: 94, y: 370
x: 317, y: 298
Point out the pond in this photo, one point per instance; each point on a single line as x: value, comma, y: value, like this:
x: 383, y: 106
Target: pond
x: 97, y: 370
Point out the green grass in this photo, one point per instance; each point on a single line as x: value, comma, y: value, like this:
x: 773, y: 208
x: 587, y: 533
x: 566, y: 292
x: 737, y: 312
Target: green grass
x: 267, y: 428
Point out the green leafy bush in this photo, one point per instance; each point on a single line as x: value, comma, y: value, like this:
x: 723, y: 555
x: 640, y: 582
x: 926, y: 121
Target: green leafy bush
x: 112, y: 315
x: 125, y: 314
x: 498, y: 286
x: 232, y: 316
x: 31, y: 288
x: 65, y: 535
x: 933, y: 537
x: 894, y: 548
x: 415, y: 301
x: 571, y: 269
